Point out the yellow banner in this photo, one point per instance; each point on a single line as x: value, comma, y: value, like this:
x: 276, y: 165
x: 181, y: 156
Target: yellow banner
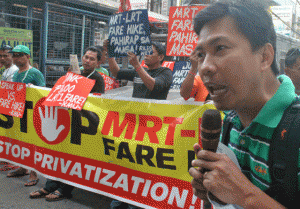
x: 150, y: 139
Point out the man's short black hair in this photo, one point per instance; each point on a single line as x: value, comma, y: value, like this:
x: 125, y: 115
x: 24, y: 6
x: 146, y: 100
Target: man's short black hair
x: 291, y: 57
x: 94, y: 49
x: 161, y: 50
x: 100, y: 48
x: 251, y: 19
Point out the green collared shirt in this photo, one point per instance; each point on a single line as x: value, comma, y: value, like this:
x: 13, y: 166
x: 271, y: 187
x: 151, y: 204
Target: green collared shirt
x: 251, y: 144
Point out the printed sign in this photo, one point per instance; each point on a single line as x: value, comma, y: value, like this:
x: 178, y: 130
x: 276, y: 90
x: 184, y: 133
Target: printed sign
x: 182, y: 39
x: 180, y: 72
x: 14, y: 37
x: 110, y: 83
x: 168, y: 64
x: 70, y: 91
x: 12, y: 98
x: 136, y: 151
x: 129, y: 32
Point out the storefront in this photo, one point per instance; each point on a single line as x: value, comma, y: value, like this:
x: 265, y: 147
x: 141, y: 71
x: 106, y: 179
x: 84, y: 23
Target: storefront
x: 59, y: 29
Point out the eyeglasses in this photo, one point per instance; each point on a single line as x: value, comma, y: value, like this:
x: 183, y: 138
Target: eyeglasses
x: 18, y: 55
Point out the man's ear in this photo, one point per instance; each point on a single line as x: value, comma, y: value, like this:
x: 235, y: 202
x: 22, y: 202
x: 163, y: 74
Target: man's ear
x: 267, y: 56
x: 161, y: 57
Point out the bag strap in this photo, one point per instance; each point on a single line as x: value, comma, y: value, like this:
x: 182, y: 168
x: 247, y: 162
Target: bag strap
x: 227, y: 126
x: 284, y: 156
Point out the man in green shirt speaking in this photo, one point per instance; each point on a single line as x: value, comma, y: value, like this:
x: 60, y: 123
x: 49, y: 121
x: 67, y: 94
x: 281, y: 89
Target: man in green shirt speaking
x: 236, y: 62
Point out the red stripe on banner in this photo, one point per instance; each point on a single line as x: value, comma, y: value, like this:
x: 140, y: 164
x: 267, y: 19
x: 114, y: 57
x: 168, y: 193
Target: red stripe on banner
x: 106, y: 178
x: 188, y: 133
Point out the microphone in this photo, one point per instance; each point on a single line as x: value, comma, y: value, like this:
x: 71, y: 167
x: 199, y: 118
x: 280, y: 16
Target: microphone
x: 211, y: 129
x: 210, y: 137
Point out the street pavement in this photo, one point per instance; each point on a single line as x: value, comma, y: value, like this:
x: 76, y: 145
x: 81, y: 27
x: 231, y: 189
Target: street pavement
x: 13, y: 194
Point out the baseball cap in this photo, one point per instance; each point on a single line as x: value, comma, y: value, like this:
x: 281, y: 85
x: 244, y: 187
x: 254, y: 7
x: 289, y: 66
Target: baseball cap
x: 21, y: 49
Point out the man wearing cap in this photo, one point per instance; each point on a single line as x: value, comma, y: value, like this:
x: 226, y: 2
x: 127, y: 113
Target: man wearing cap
x: 29, y: 75
x: 26, y: 74
x: 7, y: 61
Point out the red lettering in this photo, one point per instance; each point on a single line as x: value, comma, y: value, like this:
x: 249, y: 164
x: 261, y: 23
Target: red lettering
x: 113, y: 118
x: 143, y: 128
x: 171, y: 130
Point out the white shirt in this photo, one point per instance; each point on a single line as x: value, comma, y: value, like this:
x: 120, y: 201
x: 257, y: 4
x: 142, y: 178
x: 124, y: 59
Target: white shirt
x: 9, y: 73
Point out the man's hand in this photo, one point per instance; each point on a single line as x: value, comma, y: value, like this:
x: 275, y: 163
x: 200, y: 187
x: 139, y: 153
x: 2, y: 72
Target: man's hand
x: 223, y: 178
x: 105, y: 45
x: 49, y: 124
x: 194, y: 61
x: 133, y: 59
x: 197, y: 183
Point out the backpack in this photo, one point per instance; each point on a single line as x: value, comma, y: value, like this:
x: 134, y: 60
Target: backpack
x: 283, y: 155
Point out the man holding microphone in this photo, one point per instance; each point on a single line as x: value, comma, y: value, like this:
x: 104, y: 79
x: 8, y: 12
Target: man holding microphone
x: 236, y: 56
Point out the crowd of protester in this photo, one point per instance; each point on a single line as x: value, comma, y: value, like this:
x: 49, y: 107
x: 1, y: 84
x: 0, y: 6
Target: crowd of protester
x: 235, y: 59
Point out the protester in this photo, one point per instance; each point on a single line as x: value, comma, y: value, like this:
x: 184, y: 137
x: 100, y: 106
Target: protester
x: 192, y: 86
x: 292, y: 67
x: 151, y: 83
x: 102, y: 61
x: 26, y: 74
x: 55, y: 190
x: 29, y: 75
x: 6, y: 60
x: 236, y: 50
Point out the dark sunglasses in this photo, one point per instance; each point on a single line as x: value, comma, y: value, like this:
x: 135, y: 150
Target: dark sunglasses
x: 18, y: 55
x: 6, y: 47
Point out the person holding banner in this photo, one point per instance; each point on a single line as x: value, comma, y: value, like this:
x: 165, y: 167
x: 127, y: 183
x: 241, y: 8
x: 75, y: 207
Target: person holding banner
x: 29, y: 75
x: 6, y: 60
x: 55, y: 190
x: 236, y: 55
x: 192, y: 86
x: 26, y: 74
x: 151, y: 83
x: 102, y: 61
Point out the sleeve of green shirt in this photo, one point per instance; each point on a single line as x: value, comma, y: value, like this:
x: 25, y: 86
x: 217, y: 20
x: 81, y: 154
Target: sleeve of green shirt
x: 39, y: 79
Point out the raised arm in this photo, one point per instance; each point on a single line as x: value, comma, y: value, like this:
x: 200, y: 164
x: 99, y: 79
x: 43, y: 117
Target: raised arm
x: 188, y: 83
x: 113, y: 66
x: 146, y: 78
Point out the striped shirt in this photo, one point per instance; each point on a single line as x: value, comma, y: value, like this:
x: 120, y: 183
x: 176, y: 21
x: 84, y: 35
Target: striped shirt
x: 251, y: 144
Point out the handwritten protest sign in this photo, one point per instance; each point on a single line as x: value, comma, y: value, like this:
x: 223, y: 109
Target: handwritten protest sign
x: 110, y: 83
x: 70, y: 91
x: 12, y: 98
x: 180, y: 72
x: 168, y: 64
x: 182, y: 39
x: 129, y: 31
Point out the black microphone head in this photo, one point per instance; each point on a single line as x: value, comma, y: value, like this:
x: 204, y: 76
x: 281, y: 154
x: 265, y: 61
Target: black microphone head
x: 211, y: 120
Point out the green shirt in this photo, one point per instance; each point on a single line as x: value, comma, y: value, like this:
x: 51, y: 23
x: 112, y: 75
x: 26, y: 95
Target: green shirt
x: 101, y: 70
x: 251, y: 144
x: 33, y: 76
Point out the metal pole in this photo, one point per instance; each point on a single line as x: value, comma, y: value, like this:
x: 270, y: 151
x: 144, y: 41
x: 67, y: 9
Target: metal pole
x: 45, y: 38
x: 82, y: 37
